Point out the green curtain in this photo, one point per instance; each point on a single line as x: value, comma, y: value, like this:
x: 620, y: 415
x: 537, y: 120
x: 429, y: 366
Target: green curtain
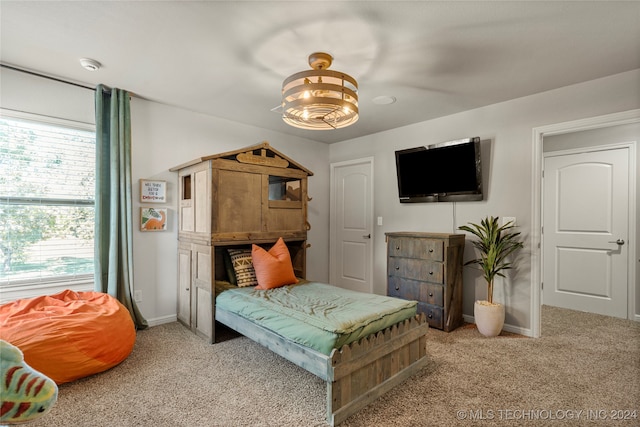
x: 113, y: 209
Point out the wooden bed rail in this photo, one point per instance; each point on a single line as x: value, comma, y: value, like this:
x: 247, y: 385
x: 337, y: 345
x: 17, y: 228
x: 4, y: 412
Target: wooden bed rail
x: 365, y: 370
x: 356, y: 374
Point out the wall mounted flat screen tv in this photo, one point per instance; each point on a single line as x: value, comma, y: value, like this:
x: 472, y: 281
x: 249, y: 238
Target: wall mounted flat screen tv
x: 446, y: 172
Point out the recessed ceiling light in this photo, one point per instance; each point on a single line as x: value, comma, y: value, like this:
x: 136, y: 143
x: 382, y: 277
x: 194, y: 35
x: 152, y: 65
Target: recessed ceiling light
x: 90, y: 64
x: 384, y: 100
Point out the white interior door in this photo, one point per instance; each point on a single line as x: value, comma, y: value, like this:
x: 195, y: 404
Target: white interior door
x: 351, y: 227
x: 585, y: 239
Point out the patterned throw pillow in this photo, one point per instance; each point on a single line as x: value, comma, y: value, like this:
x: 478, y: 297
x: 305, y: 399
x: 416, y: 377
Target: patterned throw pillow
x: 243, y: 267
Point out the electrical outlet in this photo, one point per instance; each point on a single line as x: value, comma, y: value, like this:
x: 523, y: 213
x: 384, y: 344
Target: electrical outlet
x: 507, y: 219
x: 379, y: 220
x: 137, y: 295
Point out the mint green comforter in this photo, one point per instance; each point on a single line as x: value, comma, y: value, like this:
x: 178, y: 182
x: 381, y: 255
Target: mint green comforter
x: 316, y: 315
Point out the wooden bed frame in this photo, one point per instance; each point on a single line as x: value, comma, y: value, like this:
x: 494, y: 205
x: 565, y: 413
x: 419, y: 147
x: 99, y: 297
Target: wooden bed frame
x: 356, y: 374
x: 225, y: 201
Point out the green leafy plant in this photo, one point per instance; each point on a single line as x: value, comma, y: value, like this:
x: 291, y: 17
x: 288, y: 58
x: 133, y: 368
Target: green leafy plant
x: 495, y: 244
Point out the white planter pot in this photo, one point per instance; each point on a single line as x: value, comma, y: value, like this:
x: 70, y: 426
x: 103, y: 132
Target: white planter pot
x: 489, y: 318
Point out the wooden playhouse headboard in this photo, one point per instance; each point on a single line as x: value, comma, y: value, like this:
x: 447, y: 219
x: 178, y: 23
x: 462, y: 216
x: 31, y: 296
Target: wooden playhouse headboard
x: 235, y: 199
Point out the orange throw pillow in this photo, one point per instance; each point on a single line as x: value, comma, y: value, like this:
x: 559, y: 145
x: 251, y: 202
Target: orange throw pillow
x: 273, y: 268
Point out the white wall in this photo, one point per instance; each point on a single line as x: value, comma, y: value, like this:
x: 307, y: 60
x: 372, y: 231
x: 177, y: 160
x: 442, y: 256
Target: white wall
x: 164, y: 137
x: 507, y: 133
x: 32, y: 94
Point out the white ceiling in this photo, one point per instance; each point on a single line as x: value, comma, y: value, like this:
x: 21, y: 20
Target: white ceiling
x: 228, y: 59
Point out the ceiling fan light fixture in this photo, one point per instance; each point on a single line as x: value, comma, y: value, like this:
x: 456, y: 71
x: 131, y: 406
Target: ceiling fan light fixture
x: 320, y: 99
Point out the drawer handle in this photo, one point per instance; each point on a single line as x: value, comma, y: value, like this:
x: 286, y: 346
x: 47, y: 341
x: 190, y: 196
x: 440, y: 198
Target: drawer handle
x: 397, y: 267
x: 430, y: 294
x: 397, y: 248
x: 430, y: 316
x: 431, y: 273
x: 430, y: 250
x: 397, y: 287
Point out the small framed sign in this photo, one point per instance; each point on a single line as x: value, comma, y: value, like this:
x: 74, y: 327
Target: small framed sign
x: 153, y: 191
x: 153, y: 219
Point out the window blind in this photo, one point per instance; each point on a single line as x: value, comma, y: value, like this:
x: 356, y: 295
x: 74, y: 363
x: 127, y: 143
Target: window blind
x: 47, y: 185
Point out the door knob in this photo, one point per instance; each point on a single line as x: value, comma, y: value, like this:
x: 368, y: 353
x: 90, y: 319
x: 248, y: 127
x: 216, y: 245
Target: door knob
x: 367, y: 236
x: 618, y: 242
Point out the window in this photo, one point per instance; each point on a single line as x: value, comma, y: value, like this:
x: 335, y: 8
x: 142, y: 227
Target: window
x: 282, y: 188
x: 47, y: 185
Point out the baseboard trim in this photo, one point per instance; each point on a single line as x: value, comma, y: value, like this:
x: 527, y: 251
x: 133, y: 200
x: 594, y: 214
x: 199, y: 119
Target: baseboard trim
x: 468, y: 319
x: 162, y: 320
x: 507, y: 327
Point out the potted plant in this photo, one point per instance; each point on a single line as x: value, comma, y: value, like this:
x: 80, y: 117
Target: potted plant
x: 495, y: 244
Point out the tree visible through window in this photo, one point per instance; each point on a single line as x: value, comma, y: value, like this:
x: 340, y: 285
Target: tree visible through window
x: 47, y: 185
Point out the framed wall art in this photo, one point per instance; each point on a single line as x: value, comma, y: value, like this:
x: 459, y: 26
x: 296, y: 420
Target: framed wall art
x: 153, y: 191
x: 153, y: 219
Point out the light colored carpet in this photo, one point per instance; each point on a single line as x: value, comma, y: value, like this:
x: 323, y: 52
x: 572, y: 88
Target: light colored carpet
x: 583, y: 369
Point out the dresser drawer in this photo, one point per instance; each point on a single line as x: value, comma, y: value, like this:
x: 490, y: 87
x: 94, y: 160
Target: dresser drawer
x: 431, y: 249
x: 416, y: 269
x: 415, y: 290
x: 433, y: 314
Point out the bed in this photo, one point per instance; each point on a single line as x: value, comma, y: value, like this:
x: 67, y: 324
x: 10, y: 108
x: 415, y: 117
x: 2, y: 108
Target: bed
x: 255, y: 196
x: 361, y: 345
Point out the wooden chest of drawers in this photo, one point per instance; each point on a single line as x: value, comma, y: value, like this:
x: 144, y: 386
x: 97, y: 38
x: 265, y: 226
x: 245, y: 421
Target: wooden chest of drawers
x: 427, y: 267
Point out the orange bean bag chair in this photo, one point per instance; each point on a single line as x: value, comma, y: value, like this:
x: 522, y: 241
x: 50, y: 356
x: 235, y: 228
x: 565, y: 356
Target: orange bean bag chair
x: 69, y: 335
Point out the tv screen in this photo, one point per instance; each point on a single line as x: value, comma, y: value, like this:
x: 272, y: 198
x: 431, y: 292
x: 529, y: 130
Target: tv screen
x: 446, y: 172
